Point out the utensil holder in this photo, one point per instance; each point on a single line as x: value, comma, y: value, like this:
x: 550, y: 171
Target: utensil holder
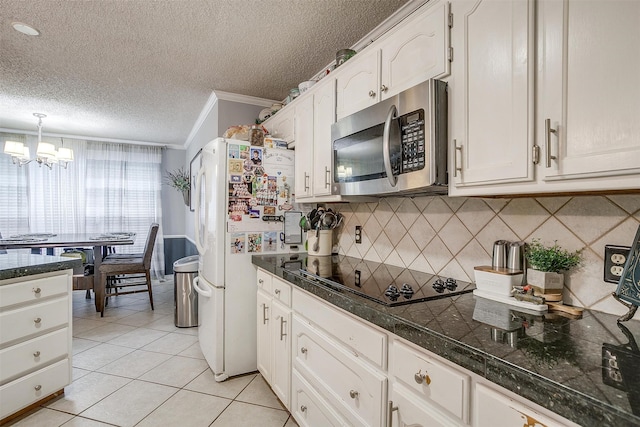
x: 324, y: 245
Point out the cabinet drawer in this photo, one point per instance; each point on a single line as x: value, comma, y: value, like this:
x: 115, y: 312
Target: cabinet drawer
x: 497, y: 410
x: 33, y: 354
x: 24, y: 391
x: 447, y: 388
x: 355, y: 389
x: 408, y: 410
x: 308, y: 407
x: 33, y: 319
x: 281, y: 291
x: 363, y: 340
x: 264, y: 281
x: 33, y: 290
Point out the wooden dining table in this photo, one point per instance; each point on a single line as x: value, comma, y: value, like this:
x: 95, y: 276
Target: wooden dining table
x: 98, y: 241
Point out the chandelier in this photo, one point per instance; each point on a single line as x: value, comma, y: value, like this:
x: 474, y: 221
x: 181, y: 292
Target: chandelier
x: 46, y: 153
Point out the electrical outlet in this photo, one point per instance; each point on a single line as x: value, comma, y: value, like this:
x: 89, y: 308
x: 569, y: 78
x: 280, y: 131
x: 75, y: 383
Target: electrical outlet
x: 614, y: 259
x: 358, y: 234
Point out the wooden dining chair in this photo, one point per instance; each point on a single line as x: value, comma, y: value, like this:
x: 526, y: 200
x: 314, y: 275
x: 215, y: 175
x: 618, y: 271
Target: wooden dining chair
x: 130, y: 269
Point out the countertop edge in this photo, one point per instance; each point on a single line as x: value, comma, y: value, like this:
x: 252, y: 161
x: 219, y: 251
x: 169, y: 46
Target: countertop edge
x: 14, y: 266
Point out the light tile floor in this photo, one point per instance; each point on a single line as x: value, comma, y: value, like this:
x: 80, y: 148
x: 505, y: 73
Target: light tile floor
x: 133, y: 367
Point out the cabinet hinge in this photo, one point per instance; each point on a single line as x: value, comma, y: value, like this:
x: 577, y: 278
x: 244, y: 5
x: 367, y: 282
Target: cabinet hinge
x: 450, y: 20
x: 450, y: 54
x: 535, y: 154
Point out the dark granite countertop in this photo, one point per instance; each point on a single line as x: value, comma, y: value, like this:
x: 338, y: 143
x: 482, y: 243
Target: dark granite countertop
x: 18, y: 264
x: 582, y: 369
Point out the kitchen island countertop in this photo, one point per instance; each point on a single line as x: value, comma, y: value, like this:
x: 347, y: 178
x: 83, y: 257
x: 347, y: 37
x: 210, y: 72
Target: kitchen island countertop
x: 558, y: 362
x: 19, y: 264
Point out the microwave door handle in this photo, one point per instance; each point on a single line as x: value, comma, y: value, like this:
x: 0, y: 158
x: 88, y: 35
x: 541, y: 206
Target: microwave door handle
x: 386, y: 146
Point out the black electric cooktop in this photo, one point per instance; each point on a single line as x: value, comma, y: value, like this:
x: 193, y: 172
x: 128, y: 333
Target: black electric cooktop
x: 382, y: 283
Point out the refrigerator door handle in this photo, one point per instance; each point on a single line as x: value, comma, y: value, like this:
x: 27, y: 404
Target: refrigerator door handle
x: 203, y: 292
x: 199, y: 245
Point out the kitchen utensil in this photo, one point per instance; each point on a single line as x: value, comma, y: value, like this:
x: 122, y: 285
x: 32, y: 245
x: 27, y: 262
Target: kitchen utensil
x: 304, y: 86
x: 559, y: 306
x: 329, y: 220
x: 342, y: 55
x: 515, y: 256
x: 499, y: 259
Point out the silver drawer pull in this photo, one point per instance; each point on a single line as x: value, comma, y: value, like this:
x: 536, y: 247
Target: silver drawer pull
x: 36, y: 354
x: 303, y: 350
x: 38, y: 387
x: 303, y: 408
x: 37, y: 290
x: 37, y: 320
x: 260, y: 281
x: 383, y: 88
x: 420, y: 377
x: 354, y: 394
x: 277, y: 291
x: 372, y: 94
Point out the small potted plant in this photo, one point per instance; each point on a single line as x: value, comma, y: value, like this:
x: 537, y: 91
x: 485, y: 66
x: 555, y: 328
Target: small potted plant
x: 179, y: 179
x: 547, y: 264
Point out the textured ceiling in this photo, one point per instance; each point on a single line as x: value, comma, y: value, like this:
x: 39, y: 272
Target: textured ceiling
x: 142, y: 70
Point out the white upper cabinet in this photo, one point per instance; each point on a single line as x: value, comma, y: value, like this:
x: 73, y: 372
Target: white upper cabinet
x: 589, y: 88
x: 415, y: 51
x: 324, y: 115
x: 304, y: 146
x: 491, y: 92
x: 281, y: 124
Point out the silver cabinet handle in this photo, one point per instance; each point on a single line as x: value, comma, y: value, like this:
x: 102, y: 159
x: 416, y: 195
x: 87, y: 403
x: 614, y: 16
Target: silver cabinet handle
x: 354, y: 394
x: 306, y: 181
x: 372, y: 94
x: 457, y: 168
x: 383, y: 88
x: 547, y: 140
x: 264, y: 314
x: 386, y: 146
x: 37, y: 290
x: 303, y: 408
x: 327, y: 177
x: 303, y: 350
x: 390, y: 409
x: 36, y: 354
x: 37, y: 320
x: 260, y: 281
x: 38, y: 387
x: 420, y: 378
x: 282, y: 333
x: 277, y: 292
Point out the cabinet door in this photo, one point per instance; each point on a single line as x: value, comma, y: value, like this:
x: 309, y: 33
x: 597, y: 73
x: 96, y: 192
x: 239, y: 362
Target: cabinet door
x: 358, y: 83
x: 263, y: 316
x: 304, y: 146
x: 324, y: 115
x: 408, y: 411
x: 281, y: 352
x: 496, y: 410
x: 417, y: 50
x: 281, y: 125
x: 590, y: 88
x: 491, y: 93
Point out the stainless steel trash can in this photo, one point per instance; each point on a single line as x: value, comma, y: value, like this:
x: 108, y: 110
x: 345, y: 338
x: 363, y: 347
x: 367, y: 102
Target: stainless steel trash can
x: 186, y: 298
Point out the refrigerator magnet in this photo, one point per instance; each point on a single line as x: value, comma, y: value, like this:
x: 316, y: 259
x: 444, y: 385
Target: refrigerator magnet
x: 244, y: 152
x: 235, y: 166
x: 270, y: 241
x: 237, y: 243
x: 234, y: 151
x: 254, y: 242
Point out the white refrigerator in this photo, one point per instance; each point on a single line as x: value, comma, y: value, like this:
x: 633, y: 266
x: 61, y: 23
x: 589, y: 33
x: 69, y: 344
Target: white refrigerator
x: 241, y: 191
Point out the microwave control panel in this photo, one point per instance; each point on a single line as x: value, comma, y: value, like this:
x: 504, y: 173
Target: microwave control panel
x: 413, y: 142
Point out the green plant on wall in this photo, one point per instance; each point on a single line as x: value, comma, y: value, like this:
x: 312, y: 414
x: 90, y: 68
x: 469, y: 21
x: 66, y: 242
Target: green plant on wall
x: 178, y: 179
x: 553, y: 259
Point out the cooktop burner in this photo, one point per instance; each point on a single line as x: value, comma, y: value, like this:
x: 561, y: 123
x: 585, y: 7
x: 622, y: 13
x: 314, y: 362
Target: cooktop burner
x: 385, y: 284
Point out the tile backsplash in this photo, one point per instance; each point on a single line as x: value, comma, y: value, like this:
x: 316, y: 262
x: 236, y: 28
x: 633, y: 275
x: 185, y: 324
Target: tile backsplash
x: 450, y: 236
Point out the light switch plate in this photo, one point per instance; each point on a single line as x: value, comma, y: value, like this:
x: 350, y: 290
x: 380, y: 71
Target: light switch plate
x: 358, y: 234
x: 614, y: 259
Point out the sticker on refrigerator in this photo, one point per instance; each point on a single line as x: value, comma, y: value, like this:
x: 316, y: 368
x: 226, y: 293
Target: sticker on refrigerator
x: 270, y: 241
x: 254, y: 242
x: 241, y: 190
x: 238, y: 208
x: 234, y: 151
x: 235, y: 178
x: 256, y: 156
x: 235, y: 167
x: 244, y: 152
x: 237, y: 243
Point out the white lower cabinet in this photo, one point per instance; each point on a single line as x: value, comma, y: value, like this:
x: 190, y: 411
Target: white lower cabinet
x: 35, y: 339
x: 274, y: 334
x: 495, y: 409
x: 407, y: 410
x: 308, y: 407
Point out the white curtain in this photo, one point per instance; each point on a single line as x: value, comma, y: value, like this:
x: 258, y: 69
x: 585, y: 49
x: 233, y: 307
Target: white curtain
x: 108, y: 188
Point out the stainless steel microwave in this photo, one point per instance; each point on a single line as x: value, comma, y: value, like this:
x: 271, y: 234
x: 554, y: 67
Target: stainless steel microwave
x: 395, y: 147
